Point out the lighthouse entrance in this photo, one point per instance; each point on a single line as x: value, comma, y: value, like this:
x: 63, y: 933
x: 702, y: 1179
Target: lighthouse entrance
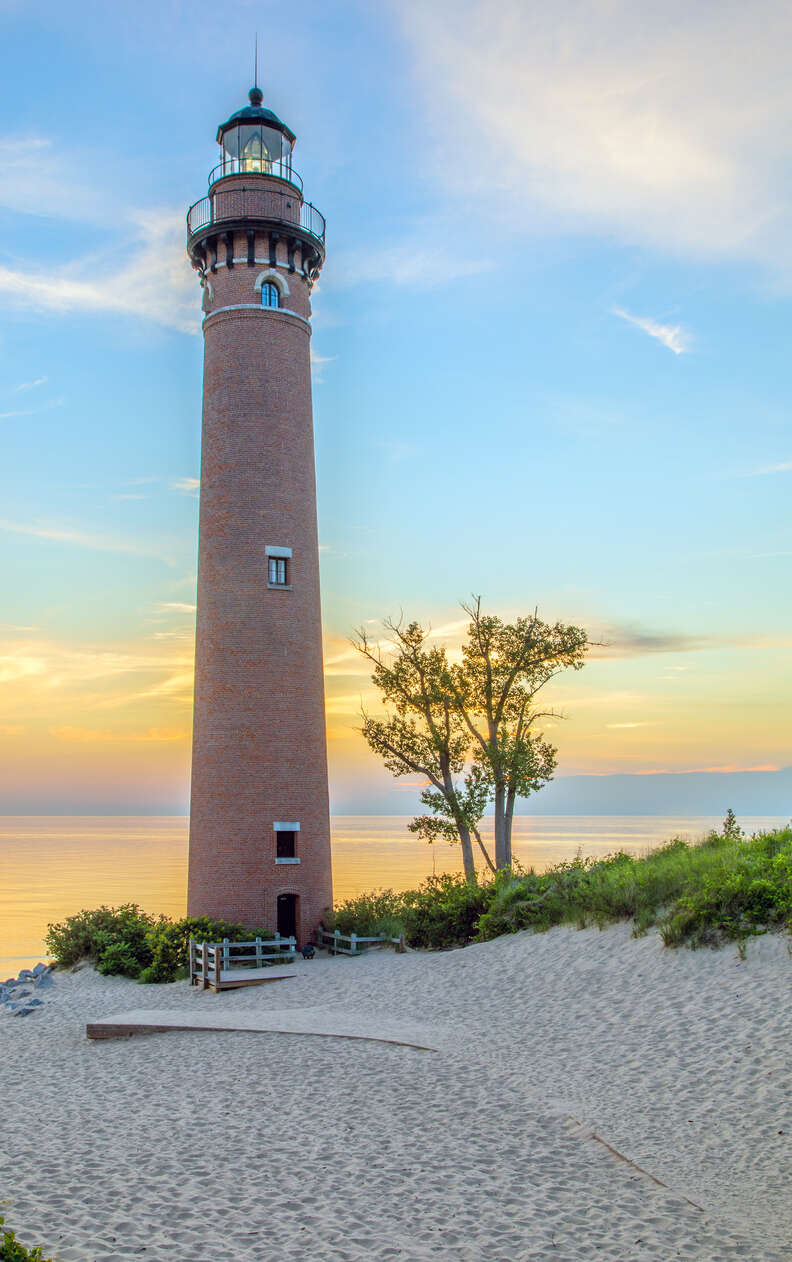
x: 287, y: 915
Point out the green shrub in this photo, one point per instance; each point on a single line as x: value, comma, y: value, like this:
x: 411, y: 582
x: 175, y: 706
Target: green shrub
x: 128, y: 942
x: 106, y: 935
x: 12, y: 1251
x: 441, y: 913
x: 444, y: 911
x: 169, y: 943
x: 734, y: 900
x: 381, y: 911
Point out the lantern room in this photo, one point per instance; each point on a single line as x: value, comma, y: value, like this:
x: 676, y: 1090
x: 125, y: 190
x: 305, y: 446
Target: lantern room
x: 255, y: 141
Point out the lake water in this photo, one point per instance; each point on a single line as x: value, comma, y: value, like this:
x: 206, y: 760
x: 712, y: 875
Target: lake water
x: 51, y: 867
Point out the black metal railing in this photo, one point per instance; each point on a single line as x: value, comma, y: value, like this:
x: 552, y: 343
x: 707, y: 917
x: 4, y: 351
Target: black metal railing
x: 255, y: 166
x: 254, y: 204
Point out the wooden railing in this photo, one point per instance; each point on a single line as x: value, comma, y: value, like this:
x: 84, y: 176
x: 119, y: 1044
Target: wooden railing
x: 356, y: 943
x: 210, y: 960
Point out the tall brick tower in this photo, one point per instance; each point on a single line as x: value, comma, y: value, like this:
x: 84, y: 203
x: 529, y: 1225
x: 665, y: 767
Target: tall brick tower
x: 259, y: 820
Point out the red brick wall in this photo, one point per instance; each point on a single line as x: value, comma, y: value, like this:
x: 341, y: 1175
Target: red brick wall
x: 259, y: 752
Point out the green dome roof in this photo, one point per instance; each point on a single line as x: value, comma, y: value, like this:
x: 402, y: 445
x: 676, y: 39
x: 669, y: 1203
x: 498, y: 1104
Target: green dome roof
x: 255, y: 113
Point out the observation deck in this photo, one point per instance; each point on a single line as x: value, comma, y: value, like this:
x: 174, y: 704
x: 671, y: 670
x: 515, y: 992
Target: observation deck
x: 255, y: 201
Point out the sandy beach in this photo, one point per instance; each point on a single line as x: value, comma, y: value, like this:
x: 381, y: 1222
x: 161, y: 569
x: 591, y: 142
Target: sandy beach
x: 563, y: 1054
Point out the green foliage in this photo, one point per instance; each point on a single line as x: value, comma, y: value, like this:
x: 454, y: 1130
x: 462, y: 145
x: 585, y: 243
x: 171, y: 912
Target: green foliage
x: 469, y: 729
x: 169, y: 942
x: 724, y: 887
x: 381, y: 911
x: 748, y: 894
x: 128, y: 942
x: 12, y: 1251
x: 109, y: 936
x: 444, y: 911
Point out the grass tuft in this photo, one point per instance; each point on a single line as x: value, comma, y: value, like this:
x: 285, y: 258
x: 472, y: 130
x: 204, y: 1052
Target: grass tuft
x: 725, y: 887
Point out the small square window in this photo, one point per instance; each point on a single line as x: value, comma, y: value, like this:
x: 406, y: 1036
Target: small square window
x: 286, y: 845
x: 278, y: 571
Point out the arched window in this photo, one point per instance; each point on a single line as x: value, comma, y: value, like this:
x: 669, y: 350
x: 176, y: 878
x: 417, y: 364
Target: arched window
x: 270, y: 295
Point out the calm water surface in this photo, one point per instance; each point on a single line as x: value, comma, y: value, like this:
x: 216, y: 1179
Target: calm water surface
x: 51, y: 866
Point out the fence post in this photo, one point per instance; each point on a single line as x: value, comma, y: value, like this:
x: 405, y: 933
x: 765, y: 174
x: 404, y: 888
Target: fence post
x: 336, y: 936
x: 192, y: 959
x: 226, y: 955
x: 204, y: 966
x: 353, y: 944
x: 258, y: 952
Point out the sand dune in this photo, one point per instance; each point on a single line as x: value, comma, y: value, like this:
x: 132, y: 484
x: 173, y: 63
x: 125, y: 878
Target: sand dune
x: 224, y: 1147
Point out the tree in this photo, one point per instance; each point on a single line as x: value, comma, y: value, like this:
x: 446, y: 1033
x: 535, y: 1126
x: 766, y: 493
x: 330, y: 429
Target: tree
x: 470, y: 727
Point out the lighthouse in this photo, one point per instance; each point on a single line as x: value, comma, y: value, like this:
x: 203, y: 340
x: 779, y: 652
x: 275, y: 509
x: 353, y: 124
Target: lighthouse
x: 259, y: 814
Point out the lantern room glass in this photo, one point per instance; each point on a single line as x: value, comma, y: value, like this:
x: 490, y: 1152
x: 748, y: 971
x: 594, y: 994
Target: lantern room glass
x: 258, y: 149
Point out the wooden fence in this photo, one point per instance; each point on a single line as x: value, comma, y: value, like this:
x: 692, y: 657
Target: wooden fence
x: 227, y: 964
x: 356, y: 944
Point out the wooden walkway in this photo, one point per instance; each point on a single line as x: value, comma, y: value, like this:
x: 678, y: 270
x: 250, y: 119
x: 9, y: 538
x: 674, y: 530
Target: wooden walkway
x: 317, y: 1021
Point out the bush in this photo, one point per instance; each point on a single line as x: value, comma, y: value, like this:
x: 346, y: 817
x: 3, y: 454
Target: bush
x: 381, y: 911
x: 746, y: 896
x: 444, y: 911
x: 12, y: 1251
x: 128, y: 942
x: 169, y: 943
x: 109, y: 936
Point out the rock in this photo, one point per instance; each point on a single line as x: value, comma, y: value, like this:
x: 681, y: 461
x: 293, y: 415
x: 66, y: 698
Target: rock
x: 23, y: 1010
x: 39, y: 970
x: 43, y: 982
x: 25, y: 975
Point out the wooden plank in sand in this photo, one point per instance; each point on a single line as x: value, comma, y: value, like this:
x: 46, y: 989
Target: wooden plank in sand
x: 233, y: 978
x: 317, y: 1021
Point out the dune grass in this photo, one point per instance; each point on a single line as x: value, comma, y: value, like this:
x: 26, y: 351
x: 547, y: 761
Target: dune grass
x: 12, y: 1251
x: 724, y: 887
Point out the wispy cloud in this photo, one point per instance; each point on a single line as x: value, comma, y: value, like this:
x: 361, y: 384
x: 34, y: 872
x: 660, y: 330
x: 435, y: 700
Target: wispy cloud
x: 83, y: 735
x: 190, y: 485
x: 671, y: 335
x: 175, y: 606
x: 665, y: 125
x: 646, y: 723
x: 410, y: 264
x: 6, y: 416
x: 317, y: 366
x: 785, y: 466
x: 98, y: 543
x: 30, y: 385
x: 155, y: 283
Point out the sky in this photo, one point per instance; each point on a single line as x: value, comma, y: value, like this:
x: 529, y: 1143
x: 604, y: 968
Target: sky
x: 551, y: 367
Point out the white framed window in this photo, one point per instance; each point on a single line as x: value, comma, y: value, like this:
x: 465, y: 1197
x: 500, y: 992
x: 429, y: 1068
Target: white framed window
x: 278, y: 567
x: 286, y: 834
x: 278, y: 571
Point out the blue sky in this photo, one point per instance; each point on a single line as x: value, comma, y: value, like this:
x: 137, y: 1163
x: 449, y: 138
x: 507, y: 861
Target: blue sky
x: 551, y: 349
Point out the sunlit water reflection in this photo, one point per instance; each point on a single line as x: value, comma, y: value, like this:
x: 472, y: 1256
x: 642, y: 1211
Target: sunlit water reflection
x: 51, y: 867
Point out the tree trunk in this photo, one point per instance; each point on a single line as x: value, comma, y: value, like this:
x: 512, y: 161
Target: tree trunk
x: 467, y: 854
x: 501, y: 852
x: 511, y: 797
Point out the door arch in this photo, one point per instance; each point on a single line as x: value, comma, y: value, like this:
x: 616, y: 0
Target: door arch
x: 287, y: 915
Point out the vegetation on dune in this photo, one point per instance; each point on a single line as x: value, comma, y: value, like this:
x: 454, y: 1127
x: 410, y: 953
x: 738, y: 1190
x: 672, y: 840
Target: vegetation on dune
x: 127, y: 941
x: 12, y: 1251
x: 725, y: 887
